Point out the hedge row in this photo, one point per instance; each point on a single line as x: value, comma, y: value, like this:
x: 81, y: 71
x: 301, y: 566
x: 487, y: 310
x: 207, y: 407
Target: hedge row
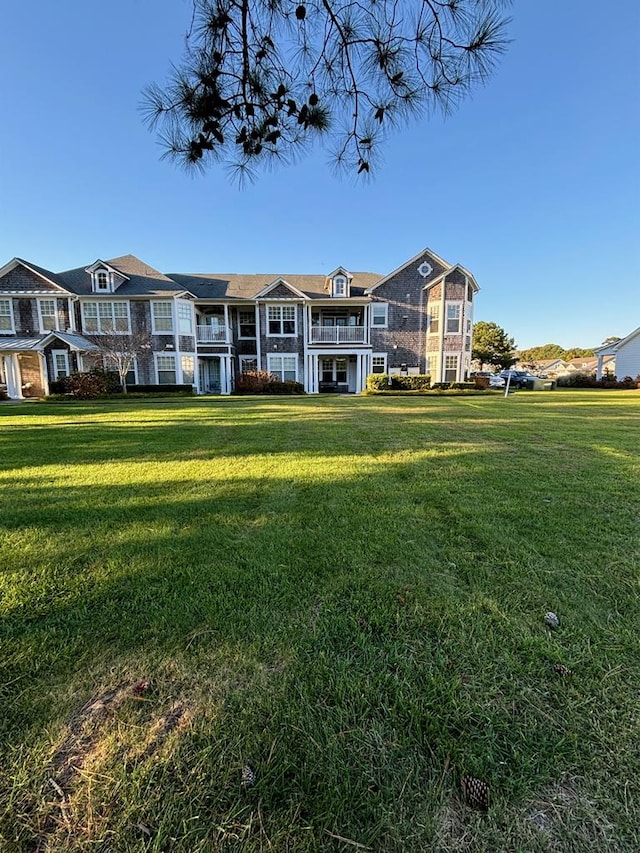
x: 395, y: 382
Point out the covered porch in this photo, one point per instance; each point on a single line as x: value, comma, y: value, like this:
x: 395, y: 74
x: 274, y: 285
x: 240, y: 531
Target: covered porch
x: 215, y: 374
x: 23, y: 374
x: 28, y: 365
x: 334, y: 371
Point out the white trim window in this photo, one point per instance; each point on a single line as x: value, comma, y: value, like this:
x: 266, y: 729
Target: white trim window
x: 166, y: 369
x: 48, y: 314
x: 185, y: 318
x: 6, y: 315
x: 379, y: 315
x: 339, y: 286
x: 60, y: 358
x: 454, y: 318
x: 281, y: 321
x: 102, y: 281
x: 434, y: 319
x: 188, y: 366
x: 162, y: 318
x: 132, y: 374
x: 432, y: 368
x: 379, y: 362
x: 246, y: 323
x: 451, y: 368
x: 103, y: 317
x: 248, y: 363
x: 284, y: 367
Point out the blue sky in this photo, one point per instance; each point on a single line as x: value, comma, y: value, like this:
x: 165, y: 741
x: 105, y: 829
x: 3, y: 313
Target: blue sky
x: 533, y: 184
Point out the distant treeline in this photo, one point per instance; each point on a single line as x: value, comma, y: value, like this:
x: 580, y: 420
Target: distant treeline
x: 553, y: 351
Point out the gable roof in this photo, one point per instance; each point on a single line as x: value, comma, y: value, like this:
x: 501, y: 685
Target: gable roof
x: 408, y: 263
x: 100, y: 264
x: 75, y: 341
x: 447, y: 272
x: 48, y: 276
x: 142, y: 279
x: 607, y: 349
x: 280, y: 282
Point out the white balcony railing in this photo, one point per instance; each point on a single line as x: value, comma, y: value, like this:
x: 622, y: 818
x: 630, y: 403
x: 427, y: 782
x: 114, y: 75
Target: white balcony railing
x: 213, y: 334
x: 338, y: 334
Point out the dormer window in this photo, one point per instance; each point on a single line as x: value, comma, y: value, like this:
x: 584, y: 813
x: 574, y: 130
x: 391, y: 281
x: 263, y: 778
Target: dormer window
x: 339, y: 286
x: 102, y: 281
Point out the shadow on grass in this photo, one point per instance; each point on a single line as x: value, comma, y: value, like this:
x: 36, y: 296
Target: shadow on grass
x: 392, y: 605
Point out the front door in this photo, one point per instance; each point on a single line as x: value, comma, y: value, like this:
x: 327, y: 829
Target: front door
x: 210, y: 375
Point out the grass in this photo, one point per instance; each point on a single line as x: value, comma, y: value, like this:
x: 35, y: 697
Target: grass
x: 348, y: 595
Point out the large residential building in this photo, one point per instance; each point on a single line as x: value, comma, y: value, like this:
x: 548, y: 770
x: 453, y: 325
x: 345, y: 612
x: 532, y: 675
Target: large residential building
x: 326, y: 331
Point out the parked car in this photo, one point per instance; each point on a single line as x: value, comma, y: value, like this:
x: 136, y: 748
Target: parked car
x: 496, y: 381
x: 518, y: 378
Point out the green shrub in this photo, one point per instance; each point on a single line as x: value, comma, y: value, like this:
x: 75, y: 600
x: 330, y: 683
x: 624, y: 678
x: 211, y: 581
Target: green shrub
x: 185, y: 390
x: 580, y: 380
x: 287, y: 387
x: 588, y: 380
x: 415, y: 382
x: 86, y: 386
x: 378, y: 382
x: 262, y: 382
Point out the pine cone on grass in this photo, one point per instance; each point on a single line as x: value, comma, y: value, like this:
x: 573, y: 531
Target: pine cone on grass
x: 475, y: 792
x: 248, y: 778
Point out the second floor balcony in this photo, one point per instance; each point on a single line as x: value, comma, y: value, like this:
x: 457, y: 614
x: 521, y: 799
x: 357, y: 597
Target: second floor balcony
x: 213, y: 334
x: 339, y: 335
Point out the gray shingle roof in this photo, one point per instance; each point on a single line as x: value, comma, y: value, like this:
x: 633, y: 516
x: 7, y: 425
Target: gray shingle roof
x: 143, y: 280
x: 236, y: 286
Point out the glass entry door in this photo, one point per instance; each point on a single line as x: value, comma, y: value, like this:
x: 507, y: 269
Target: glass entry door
x: 210, y: 376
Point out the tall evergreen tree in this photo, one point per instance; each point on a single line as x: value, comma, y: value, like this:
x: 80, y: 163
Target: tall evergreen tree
x: 261, y: 80
x: 492, y: 345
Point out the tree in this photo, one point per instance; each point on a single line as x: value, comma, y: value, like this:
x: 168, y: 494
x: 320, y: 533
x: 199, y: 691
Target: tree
x: 261, y: 80
x: 119, y: 352
x: 541, y: 353
x: 492, y: 345
x: 612, y: 339
x: 577, y: 352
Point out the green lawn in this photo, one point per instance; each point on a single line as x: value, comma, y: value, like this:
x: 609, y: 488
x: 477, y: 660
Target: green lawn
x: 348, y: 595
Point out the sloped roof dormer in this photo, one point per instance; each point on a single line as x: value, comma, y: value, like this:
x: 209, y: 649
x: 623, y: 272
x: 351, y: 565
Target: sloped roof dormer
x: 104, y: 277
x: 339, y: 283
x: 280, y: 288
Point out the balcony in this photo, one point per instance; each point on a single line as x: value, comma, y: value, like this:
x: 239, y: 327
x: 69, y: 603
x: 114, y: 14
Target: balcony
x: 338, y: 335
x: 213, y: 334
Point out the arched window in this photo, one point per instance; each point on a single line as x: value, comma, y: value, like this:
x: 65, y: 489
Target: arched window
x: 102, y: 281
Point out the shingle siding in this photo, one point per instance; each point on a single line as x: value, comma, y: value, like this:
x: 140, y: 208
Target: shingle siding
x: 22, y: 280
x: 408, y: 293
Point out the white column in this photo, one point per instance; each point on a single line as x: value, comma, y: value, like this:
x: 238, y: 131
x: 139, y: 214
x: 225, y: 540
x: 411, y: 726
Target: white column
x: 358, y: 374
x: 225, y: 374
x: 44, y: 373
x: 226, y: 323
x: 12, y: 369
x: 599, y: 367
